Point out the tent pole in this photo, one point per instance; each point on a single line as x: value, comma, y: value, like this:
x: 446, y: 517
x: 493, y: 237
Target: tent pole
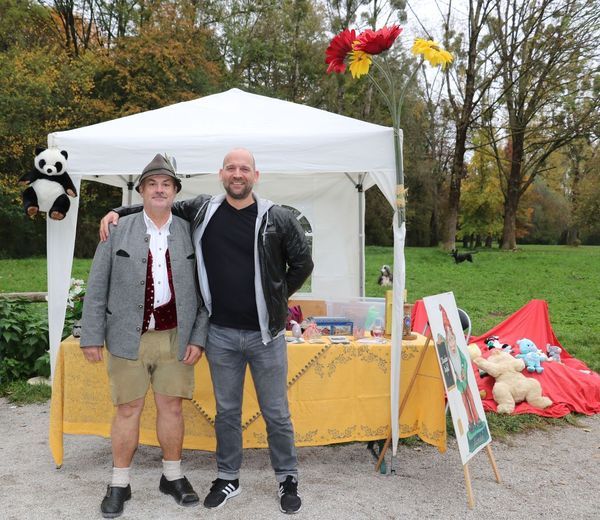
x: 129, y: 189
x: 361, y: 234
x: 361, y: 231
x: 127, y: 200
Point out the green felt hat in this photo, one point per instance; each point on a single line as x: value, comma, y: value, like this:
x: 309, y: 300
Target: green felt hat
x: 160, y: 165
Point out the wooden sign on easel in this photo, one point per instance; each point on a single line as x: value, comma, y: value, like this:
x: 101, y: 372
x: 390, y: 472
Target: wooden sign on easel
x: 468, y: 416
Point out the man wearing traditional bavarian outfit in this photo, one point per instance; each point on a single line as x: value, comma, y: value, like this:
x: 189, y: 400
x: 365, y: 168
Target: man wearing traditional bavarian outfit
x: 142, y: 302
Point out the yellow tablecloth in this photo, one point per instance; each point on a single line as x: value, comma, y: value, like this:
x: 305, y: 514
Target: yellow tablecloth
x: 337, y: 393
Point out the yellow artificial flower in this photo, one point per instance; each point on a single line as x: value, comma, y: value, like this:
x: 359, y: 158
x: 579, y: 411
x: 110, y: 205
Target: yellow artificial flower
x: 360, y: 62
x: 432, y: 52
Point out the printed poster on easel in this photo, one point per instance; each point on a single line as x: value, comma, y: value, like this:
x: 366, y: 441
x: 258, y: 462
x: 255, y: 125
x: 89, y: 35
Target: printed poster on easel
x: 468, y: 417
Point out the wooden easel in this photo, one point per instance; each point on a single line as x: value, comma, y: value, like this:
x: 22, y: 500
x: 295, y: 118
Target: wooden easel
x: 488, y: 448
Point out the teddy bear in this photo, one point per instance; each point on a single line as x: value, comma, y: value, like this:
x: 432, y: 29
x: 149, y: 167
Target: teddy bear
x: 474, y: 353
x: 531, y: 355
x: 48, y: 184
x: 511, y: 385
x: 494, y: 342
x: 553, y: 352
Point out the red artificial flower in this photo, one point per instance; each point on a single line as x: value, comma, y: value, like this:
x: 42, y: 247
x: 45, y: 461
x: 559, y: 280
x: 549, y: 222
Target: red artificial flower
x: 338, y: 49
x: 375, y: 42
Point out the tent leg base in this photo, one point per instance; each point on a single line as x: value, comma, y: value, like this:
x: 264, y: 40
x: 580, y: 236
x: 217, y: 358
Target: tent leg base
x: 392, y: 469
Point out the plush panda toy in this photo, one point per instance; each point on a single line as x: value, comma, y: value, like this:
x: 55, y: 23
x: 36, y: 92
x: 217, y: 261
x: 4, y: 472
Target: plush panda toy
x: 49, y: 184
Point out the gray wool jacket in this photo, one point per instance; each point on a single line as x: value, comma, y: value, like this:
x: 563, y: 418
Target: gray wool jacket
x: 113, y: 306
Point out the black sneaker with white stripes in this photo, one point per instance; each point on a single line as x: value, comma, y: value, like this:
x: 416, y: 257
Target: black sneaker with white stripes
x: 289, y: 500
x: 220, y: 492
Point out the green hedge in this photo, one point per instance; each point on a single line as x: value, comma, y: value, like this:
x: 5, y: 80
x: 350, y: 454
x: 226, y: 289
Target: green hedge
x: 23, y: 342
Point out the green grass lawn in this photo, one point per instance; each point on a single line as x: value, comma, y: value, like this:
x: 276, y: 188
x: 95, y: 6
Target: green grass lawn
x: 29, y: 275
x: 498, y: 283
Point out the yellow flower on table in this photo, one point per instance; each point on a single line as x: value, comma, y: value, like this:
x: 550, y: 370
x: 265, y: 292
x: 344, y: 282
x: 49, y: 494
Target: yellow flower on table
x: 432, y: 52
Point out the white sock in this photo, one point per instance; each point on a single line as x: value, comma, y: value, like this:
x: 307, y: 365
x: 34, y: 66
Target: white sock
x: 172, y: 469
x: 120, y: 477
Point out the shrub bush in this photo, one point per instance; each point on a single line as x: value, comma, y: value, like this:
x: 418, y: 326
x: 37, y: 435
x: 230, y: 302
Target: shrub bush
x: 23, y: 342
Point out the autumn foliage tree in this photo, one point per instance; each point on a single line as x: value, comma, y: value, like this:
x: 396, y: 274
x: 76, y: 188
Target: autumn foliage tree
x: 481, y: 200
x: 70, y: 63
x: 549, y: 52
x: 46, y: 87
x: 467, y: 84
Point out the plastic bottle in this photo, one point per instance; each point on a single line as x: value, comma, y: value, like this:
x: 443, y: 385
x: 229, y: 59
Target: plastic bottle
x: 372, y: 314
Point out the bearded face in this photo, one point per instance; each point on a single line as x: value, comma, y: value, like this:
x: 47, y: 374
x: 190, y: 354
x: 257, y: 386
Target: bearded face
x: 238, y: 174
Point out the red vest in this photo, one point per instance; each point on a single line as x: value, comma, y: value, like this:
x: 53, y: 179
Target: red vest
x: 165, y: 316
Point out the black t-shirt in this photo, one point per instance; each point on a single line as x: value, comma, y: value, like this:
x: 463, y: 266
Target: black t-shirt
x: 228, y: 251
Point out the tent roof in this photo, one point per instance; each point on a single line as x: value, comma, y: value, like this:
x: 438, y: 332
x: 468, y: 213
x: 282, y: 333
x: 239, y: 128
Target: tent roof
x: 285, y: 138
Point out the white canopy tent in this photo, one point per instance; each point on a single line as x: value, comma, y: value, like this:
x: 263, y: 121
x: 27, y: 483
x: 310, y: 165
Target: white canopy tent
x: 310, y: 159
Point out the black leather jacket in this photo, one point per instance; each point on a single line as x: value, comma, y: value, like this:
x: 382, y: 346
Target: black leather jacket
x: 284, y: 255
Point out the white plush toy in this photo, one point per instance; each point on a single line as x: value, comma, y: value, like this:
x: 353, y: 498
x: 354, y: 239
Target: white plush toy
x: 511, y: 386
x: 48, y: 184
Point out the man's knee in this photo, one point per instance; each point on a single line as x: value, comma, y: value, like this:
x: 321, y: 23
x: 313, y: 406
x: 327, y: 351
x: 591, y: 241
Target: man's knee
x: 131, y: 409
x: 230, y: 416
x: 278, y: 421
x: 167, y: 405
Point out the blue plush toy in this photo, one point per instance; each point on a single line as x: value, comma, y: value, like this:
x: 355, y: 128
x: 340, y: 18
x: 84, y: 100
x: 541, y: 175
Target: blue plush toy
x: 553, y: 352
x: 531, y: 355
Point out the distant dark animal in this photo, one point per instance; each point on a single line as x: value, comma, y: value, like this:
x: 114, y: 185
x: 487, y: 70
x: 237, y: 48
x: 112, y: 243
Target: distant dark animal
x: 385, y: 276
x: 461, y: 257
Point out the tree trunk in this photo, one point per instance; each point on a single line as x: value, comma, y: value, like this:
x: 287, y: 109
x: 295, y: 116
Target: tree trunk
x: 573, y: 230
x: 462, y: 116
x: 296, y: 53
x: 433, y: 226
x: 449, y: 242
x: 454, y: 199
x: 513, y: 190
x: 434, y: 223
x: 457, y: 174
x: 572, y: 236
x: 509, y: 231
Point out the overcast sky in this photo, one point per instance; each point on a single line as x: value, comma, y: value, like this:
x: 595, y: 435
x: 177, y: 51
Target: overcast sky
x: 430, y: 13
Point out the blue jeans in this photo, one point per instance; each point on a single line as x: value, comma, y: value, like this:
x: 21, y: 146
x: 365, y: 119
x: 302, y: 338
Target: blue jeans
x: 228, y: 352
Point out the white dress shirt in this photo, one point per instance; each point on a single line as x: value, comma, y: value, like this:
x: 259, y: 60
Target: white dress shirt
x: 158, y: 247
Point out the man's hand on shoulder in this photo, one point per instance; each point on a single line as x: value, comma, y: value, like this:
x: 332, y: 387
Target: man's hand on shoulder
x: 92, y: 354
x: 112, y: 217
x: 193, y: 353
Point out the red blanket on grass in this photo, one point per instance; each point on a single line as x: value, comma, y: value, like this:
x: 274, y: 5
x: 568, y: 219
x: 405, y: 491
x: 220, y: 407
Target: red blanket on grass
x: 571, y: 385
